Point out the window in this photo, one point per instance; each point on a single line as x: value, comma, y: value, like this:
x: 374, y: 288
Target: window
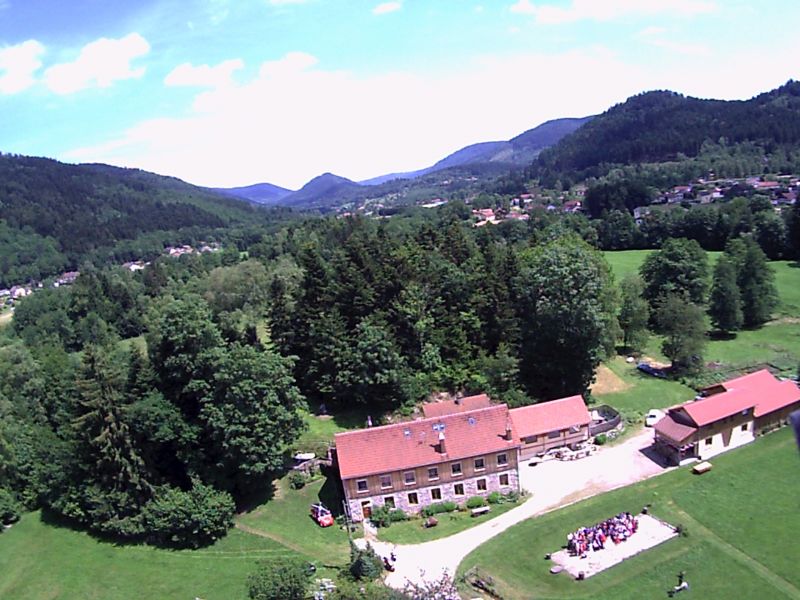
x: 389, y: 501
x: 409, y: 478
x: 386, y: 481
x: 554, y: 434
x: 504, y: 479
x: 436, y: 494
x: 480, y: 464
x: 413, y: 498
x: 502, y: 459
x: 433, y: 473
x: 481, y: 485
x: 531, y: 439
x: 455, y: 468
x: 709, y: 441
x: 458, y: 489
x: 361, y: 485
x: 744, y: 427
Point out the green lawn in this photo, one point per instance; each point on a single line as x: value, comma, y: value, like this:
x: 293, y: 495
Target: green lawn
x: 286, y: 520
x: 412, y: 532
x: 44, y: 561
x: 742, y: 520
x: 646, y: 392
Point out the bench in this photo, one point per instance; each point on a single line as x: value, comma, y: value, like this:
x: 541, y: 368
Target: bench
x: 481, y: 510
x: 703, y: 467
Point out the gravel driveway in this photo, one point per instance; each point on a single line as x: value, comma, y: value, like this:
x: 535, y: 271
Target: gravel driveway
x: 553, y: 484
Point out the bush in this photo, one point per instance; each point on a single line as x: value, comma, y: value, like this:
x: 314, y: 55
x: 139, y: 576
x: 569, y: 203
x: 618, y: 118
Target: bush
x: 297, y: 480
x: 476, y: 502
x: 438, y: 508
x: 513, y: 496
x: 494, y: 498
x: 383, y: 516
x: 9, y: 508
x: 600, y: 439
x: 188, y: 519
x: 280, y: 579
x: 365, y: 564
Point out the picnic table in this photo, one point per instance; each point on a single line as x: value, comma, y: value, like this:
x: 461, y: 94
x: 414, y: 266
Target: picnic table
x: 481, y: 510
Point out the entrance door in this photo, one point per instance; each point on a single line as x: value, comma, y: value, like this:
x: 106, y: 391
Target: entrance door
x: 366, y: 509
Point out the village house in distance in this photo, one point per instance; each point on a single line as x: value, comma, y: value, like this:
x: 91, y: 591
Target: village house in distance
x: 726, y: 416
x: 461, y: 448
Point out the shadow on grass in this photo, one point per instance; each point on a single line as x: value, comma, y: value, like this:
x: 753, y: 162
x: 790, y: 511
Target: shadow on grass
x: 330, y: 494
x: 721, y: 336
x: 258, y: 496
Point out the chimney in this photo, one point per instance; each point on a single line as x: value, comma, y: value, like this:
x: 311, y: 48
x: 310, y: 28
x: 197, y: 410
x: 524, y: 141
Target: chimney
x: 458, y: 400
x: 509, y: 432
x: 442, y: 449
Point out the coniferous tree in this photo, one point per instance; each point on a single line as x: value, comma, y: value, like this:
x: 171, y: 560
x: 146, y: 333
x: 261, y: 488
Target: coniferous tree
x: 724, y: 305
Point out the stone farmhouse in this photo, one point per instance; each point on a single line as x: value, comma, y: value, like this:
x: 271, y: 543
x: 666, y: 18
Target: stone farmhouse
x: 461, y: 448
x: 725, y: 416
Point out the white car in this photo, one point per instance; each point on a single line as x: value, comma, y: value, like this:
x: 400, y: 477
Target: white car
x: 653, y: 417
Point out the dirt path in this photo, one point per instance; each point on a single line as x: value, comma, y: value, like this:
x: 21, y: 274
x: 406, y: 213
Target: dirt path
x: 554, y: 484
x: 269, y: 536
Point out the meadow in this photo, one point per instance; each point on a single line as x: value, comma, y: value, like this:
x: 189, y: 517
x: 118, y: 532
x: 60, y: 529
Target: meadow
x: 740, y: 521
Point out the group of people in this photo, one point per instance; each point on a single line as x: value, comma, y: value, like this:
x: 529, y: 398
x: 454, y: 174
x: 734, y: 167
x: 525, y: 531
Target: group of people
x: 617, y: 529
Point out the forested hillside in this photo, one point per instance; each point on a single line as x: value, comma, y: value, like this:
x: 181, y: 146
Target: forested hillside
x: 55, y: 215
x: 662, y: 126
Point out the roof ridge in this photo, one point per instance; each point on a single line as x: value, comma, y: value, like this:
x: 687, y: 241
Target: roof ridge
x: 425, y: 420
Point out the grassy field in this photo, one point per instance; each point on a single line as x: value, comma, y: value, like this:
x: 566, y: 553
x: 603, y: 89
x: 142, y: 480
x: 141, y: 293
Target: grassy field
x: 777, y: 343
x: 412, y: 532
x: 741, y: 519
x: 285, y: 519
x: 40, y: 561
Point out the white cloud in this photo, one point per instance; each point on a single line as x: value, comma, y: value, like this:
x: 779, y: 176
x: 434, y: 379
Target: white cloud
x: 660, y: 38
x: 18, y: 64
x: 386, y: 7
x: 187, y: 74
x: 609, y: 10
x: 99, y: 64
x: 285, y: 2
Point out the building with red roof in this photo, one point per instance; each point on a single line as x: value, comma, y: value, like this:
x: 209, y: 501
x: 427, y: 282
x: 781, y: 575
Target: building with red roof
x: 437, y: 409
x: 411, y: 465
x: 725, y: 416
x: 553, y: 424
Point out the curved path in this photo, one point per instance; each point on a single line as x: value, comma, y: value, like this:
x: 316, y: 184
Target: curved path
x: 553, y: 484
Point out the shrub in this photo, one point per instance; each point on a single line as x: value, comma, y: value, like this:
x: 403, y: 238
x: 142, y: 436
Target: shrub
x: 297, y: 480
x: 494, y: 498
x: 365, y: 564
x: 513, y: 496
x: 9, y: 508
x: 383, y: 516
x: 190, y: 519
x: 280, y: 579
x: 438, y: 508
x: 476, y: 502
x: 600, y: 439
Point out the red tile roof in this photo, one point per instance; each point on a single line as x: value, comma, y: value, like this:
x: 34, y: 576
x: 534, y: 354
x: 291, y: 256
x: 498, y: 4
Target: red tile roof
x: 718, y: 406
x: 677, y: 432
x: 759, y: 390
x: 542, y: 418
x: 781, y: 395
x: 448, y: 407
x: 415, y: 443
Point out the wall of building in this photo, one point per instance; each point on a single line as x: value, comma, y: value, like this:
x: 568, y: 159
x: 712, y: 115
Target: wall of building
x: 447, y: 491
x: 543, y: 442
x: 421, y: 479
x: 766, y: 423
x: 724, y: 435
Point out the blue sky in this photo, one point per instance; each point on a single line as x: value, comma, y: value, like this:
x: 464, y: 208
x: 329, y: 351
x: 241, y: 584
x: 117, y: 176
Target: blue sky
x: 233, y: 92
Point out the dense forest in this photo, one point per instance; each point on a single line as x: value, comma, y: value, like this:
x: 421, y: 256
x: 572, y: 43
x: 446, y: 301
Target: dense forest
x: 148, y: 405
x: 661, y: 126
x: 54, y: 216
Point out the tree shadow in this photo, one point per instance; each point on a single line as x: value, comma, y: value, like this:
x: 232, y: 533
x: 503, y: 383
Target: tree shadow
x: 721, y: 336
x: 258, y: 495
x: 54, y: 519
x: 330, y: 494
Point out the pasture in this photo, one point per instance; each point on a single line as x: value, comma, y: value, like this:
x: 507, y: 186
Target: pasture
x: 740, y: 519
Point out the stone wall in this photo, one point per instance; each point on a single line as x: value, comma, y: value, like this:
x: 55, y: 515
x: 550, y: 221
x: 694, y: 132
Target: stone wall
x: 447, y: 490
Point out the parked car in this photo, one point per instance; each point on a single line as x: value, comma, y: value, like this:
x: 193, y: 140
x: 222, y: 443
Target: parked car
x: 653, y: 417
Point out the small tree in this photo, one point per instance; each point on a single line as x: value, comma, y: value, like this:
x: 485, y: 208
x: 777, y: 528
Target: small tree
x: 683, y: 326
x: 725, y: 306
x: 365, y: 562
x: 281, y: 579
x: 634, y: 314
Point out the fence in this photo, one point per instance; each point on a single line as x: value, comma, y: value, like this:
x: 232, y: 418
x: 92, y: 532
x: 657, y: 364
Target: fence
x: 611, y: 418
